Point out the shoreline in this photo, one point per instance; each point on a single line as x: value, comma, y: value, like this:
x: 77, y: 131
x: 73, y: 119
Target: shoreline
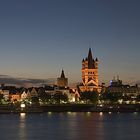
x: 72, y: 108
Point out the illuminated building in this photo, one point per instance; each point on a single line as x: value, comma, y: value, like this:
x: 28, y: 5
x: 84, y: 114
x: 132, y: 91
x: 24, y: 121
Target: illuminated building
x: 89, y: 74
x: 117, y: 86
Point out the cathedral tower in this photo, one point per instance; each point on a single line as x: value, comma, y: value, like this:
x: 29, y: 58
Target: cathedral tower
x: 89, y: 73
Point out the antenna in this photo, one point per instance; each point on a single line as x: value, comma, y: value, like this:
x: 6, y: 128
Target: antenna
x: 117, y: 77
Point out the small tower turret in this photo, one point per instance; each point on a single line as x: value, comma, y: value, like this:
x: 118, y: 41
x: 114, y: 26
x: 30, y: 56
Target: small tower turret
x: 62, y: 81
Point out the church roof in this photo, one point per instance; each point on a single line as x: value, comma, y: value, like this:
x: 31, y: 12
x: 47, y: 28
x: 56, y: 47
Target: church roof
x: 89, y: 54
x: 62, y: 74
x: 90, y: 60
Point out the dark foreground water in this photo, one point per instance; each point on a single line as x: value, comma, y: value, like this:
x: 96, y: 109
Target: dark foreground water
x: 70, y: 126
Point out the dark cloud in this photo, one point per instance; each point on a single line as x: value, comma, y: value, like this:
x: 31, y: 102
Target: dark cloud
x: 6, y: 79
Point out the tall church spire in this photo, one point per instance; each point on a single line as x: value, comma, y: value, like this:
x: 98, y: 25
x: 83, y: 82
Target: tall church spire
x: 62, y: 74
x: 90, y: 54
x: 90, y: 60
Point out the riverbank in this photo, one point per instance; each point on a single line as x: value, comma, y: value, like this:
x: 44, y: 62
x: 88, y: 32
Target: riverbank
x: 70, y: 108
x: 90, y: 108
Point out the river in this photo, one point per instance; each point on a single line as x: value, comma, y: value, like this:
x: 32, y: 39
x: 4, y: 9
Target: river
x: 70, y: 126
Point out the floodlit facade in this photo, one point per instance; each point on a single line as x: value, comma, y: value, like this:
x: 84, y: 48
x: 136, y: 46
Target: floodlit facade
x: 90, y: 77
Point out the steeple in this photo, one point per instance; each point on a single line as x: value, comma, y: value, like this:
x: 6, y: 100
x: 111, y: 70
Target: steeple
x: 89, y: 55
x: 62, y: 81
x: 90, y: 60
x: 62, y: 74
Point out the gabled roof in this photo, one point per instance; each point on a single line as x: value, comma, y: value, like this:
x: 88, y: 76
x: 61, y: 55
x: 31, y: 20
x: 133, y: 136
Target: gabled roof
x: 92, y: 83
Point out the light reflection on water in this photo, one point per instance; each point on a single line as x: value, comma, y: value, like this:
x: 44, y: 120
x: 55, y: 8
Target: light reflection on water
x: 22, y: 116
x: 70, y: 126
x: 22, y: 127
x: 101, y: 113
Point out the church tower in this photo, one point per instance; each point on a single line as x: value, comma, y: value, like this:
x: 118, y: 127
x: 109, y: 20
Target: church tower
x: 62, y: 81
x: 89, y: 73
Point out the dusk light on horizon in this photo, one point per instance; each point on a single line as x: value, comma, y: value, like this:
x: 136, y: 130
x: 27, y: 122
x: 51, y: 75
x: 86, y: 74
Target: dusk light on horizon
x: 70, y: 69
x: 39, y: 38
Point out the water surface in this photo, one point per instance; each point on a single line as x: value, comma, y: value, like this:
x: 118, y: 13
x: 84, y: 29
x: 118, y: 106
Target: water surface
x: 70, y: 126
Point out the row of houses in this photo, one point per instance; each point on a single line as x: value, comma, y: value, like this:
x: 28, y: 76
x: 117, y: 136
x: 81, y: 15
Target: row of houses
x: 12, y: 93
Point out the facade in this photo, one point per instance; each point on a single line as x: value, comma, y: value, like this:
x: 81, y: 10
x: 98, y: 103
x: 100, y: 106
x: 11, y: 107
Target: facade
x: 89, y: 74
x: 62, y: 81
x: 15, y: 97
x: 23, y: 96
x: 6, y: 94
x: 116, y: 86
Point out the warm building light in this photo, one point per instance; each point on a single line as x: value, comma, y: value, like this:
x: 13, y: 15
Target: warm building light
x: 127, y: 102
x: 120, y: 101
x: 22, y: 105
x: 73, y: 99
x: 134, y: 102
x: 101, y: 105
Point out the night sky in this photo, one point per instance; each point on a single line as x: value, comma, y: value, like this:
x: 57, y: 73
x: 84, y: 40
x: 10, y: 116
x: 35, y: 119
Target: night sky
x: 39, y: 38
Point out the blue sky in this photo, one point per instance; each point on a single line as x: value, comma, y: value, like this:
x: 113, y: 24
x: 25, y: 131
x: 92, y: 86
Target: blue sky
x: 38, y: 38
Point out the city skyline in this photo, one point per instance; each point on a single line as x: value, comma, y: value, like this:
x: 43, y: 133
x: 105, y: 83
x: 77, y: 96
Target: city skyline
x: 40, y: 38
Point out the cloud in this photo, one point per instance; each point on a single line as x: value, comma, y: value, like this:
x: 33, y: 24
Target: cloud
x: 8, y: 80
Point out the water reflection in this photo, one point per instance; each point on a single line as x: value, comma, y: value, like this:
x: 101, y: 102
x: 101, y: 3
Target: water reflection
x: 71, y: 114
x: 70, y: 126
x: 50, y: 113
x: 22, y: 127
x: 88, y: 114
x: 101, y: 113
x: 22, y: 116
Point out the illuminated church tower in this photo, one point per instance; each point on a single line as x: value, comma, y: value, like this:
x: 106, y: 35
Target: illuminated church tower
x: 89, y: 73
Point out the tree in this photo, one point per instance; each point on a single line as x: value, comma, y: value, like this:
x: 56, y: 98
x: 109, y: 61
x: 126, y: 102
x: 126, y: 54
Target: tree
x: 89, y: 97
x: 113, y: 97
x: 138, y: 98
x: 64, y: 97
x: 59, y: 97
x: 126, y: 98
x: 45, y: 97
x: 35, y: 100
x: 1, y: 98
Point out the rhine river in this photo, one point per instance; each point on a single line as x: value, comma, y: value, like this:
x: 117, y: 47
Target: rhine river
x: 70, y: 126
